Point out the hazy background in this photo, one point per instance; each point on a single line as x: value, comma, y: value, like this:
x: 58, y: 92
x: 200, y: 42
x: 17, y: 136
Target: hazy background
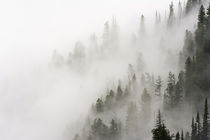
x: 36, y: 102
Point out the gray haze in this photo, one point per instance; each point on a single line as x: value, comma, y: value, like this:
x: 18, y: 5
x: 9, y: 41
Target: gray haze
x: 41, y: 101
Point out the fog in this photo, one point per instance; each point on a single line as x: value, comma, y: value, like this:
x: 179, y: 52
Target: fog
x: 41, y: 100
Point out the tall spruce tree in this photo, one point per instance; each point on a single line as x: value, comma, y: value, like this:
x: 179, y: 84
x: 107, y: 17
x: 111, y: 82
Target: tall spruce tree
x: 177, y: 136
x: 198, y: 124
x: 171, y: 17
x: 193, y: 130
x: 182, y: 135
x: 160, y: 132
x: 205, y: 121
x: 199, y: 34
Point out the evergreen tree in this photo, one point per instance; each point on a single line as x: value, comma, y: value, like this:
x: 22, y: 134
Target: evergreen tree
x: 160, y: 132
x: 146, y: 104
x: 171, y: 17
x: 170, y: 91
x: 131, y: 120
x: 114, y: 130
x: 158, y: 86
x: 189, y: 85
x: 76, y: 137
x: 188, y: 7
x: 179, y: 89
x: 189, y: 47
x: 193, y: 131
x: 99, y: 105
x: 198, y: 124
x: 99, y: 130
x: 119, y: 93
x: 199, y: 34
x: 109, y: 99
x: 177, y: 136
x: 182, y: 135
x: 142, y: 27
x: 179, y: 10
x: 187, y: 136
x: 106, y: 34
x: 205, y: 121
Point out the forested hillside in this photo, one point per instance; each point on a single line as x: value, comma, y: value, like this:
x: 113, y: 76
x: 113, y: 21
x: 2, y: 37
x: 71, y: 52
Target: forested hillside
x: 163, y: 93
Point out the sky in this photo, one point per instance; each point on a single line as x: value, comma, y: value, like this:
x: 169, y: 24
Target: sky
x: 29, y: 32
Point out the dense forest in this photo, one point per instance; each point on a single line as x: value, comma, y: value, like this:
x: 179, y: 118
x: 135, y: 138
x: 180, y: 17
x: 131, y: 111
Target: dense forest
x: 144, y: 104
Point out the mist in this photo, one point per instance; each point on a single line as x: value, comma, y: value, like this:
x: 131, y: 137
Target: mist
x: 47, y: 93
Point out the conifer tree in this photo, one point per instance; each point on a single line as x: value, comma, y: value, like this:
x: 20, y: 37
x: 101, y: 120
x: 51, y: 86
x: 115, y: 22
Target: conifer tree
x: 198, y: 124
x: 187, y: 136
x: 199, y: 35
x: 142, y: 27
x: 160, y: 132
x: 188, y: 7
x: 169, y: 93
x: 171, y: 17
x: 131, y: 121
x: 158, y: 86
x: 179, y: 10
x: 205, y: 121
x: 119, y: 93
x: 146, y: 104
x: 177, y: 136
x: 193, y: 131
x: 182, y: 135
x: 114, y: 130
x: 99, y: 105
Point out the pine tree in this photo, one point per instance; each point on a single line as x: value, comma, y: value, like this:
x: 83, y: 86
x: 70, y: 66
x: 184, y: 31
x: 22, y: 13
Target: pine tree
x: 171, y: 17
x: 188, y: 7
x: 158, y: 86
x: 189, y: 85
x: 99, y: 105
x: 177, y: 136
x: 160, y: 132
x: 131, y: 121
x: 198, y: 124
x: 146, y: 104
x: 109, y: 99
x: 179, y: 10
x: 199, y: 34
x: 119, y: 93
x: 99, y: 130
x: 106, y: 34
x: 187, y: 136
x: 142, y: 27
x: 179, y: 89
x: 114, y: 130
x: 182, y: 135
x: 170, y: 90
x: 205, y: 121
x: 193, y: 131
